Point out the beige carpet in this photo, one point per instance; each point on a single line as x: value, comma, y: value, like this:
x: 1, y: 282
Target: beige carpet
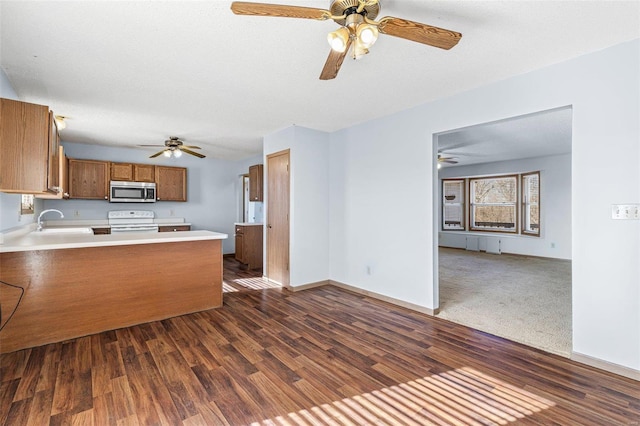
x: 524, y: 299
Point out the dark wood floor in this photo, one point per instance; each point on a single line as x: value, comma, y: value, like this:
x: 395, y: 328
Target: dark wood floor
x: 319, y: 356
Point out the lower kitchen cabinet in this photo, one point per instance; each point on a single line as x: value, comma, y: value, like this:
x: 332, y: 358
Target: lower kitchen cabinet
x: 249, y: 245
x: 101, y: 231
x: 174, y: 228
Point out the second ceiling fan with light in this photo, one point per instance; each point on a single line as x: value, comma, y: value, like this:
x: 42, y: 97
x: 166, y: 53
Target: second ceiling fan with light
x: 174, y: 147
x: 358, y: 30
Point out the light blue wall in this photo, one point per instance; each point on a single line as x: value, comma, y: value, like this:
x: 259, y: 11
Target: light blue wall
x: 213, y: 188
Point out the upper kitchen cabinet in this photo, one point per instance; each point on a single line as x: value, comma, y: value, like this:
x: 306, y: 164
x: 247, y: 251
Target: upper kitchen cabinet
x: 63, y: 178
x: 255, y: 182
x: 132, y: 172
x: 88, y: 179
x: 171, y: 183
x: 29, y: 148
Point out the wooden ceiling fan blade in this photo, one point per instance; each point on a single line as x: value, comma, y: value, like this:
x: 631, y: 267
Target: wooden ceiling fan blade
x: 279, y: 10
x: 157, y: 154
x: 334, y: 62
x: 191, y: 146
x: 188, y: 151
x: 421, y: 33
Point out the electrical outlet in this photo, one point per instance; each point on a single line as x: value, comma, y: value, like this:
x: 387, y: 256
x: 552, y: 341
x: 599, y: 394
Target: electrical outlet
x: 172, y: 212
x: 553, y: 245
x: 625, y: 211
x: 76, y: 213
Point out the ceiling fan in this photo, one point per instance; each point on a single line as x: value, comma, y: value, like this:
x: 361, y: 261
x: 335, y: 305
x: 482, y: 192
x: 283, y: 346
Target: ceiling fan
x: 446, y: 160
x: 175, y: 147
x: 358, y: 31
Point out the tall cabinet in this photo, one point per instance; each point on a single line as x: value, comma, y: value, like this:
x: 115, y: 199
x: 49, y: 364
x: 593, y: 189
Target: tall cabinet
x: 255, y: 182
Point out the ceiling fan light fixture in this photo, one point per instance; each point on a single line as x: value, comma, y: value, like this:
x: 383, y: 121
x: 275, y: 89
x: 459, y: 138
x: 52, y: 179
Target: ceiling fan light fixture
x: 177, y: 153
x: 359, y: 50
x: 367, y: 34
x: 167, y: 153
x: 338, y: 39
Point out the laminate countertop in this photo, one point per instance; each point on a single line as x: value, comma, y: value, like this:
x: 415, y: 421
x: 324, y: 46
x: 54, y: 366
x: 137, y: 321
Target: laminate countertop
x: 28, y: 240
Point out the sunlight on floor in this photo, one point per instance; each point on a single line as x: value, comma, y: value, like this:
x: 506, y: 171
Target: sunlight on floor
x: 257, y: 283
x: 459, y: 397
x: 226, y: 288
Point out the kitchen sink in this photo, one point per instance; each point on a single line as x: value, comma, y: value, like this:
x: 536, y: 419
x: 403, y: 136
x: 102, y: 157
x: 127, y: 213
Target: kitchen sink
x: 65, y: 230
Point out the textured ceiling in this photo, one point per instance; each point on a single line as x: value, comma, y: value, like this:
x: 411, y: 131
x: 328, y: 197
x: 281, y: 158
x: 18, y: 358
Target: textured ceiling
x: 128, y: 73
x: 528, y: 136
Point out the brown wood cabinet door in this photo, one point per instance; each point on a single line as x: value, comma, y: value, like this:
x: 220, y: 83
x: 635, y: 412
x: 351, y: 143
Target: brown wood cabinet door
x: 89, y: 179
x: 143, y: 173
x: 249, y: 245
x: 255, y: 182
x: 24, y: 147
x: 278, y: 217
x: 239, y: 247
x: 175, y: 228
x: 171, y: 183
x: 54, y: 184
x: 121, y: 171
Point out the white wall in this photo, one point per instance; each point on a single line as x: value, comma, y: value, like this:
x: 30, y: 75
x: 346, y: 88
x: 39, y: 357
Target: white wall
x: 213, y: 188
x: 309, y: 195
x: 555, y: 206
x: 382, y: 198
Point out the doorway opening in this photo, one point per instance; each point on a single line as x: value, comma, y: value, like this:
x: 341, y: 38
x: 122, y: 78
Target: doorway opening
x: 511, y: 284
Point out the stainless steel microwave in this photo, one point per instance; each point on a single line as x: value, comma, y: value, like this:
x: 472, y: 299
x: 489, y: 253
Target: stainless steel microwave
x: 132, y: 192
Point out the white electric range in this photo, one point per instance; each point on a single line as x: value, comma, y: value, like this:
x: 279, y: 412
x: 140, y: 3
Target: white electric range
x: 132, y: 221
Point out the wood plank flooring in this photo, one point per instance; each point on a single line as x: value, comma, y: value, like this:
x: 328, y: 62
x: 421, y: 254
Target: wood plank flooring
x: 319, y: 356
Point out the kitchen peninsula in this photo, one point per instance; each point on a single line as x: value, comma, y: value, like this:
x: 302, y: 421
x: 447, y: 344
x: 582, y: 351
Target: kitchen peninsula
x: 61, y: 286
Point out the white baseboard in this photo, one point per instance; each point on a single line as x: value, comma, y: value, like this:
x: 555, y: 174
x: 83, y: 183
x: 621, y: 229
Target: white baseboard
x: 373, y: 295
x: 606, y: 366
x: 309, y: 285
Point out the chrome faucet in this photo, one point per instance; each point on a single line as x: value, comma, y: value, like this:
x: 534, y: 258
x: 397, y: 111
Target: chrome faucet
x: 39, y: 228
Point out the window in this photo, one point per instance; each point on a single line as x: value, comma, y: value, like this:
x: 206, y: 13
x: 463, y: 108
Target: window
x: 26, y: 204
x: 531, y: 203
x: 508, y: 203
x: 453, y: 204
x: 494, y: 203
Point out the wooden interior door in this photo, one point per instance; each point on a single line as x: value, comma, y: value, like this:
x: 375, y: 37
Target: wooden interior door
x: 278, y: 218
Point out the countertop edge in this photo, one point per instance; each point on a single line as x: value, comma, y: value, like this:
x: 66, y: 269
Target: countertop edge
x: 61, y: 242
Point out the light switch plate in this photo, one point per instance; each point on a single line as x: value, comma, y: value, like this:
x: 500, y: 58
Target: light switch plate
x: 625, y: 211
